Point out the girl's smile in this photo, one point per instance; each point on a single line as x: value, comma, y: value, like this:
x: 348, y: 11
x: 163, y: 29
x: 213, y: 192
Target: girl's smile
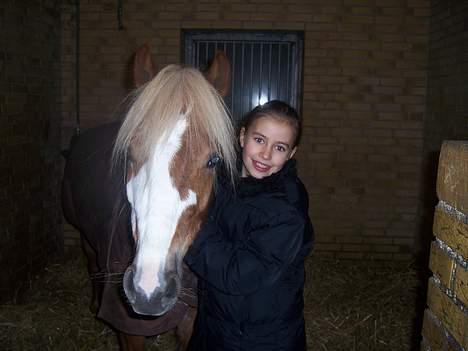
x: 260, y: 166
x: 266, y: 146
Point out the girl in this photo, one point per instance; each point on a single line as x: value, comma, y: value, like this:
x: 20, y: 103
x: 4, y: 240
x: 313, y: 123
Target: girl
x: 249, y: 256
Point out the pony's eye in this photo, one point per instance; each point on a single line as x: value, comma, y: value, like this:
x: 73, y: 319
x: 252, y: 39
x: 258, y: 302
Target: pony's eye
x: 213, y: 161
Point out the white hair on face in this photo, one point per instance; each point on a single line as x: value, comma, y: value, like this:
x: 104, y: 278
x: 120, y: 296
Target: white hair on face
x: 157, y: 205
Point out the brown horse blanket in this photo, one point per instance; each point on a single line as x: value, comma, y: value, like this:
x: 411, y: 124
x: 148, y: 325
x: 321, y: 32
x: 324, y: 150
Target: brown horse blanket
x: 94, y: 201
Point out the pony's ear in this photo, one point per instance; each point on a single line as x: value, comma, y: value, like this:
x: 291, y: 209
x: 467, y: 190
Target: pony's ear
x: 144, y: 68
x: 219, y: 73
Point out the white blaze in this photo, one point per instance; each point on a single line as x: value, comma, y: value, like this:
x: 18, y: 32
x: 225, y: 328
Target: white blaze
x: 156, y: 209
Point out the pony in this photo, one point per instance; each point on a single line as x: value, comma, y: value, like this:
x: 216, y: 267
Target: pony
x: 138, y: 192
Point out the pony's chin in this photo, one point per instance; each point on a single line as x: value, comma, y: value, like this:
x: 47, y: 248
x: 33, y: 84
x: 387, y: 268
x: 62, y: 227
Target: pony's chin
x: 157, y: 304
x: 149, y: 309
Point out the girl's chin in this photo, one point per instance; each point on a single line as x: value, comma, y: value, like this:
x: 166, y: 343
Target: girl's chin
x: 254, y: 174
x: 260, y: 174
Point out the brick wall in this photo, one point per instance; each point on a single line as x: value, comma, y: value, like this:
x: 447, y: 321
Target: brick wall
x: 447, y: 102
x: 365, y: 69
x: 30, y: 215
x: 447, y: 99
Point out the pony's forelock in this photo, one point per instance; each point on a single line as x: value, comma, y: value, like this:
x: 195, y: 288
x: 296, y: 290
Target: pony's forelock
x: 175, y: 93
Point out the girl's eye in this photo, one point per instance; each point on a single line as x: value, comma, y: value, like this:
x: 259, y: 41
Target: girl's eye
x: 280, y: 148
x: 258, y: 140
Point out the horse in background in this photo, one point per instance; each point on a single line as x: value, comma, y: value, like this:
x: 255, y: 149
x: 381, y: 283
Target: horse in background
x: 138, y: 192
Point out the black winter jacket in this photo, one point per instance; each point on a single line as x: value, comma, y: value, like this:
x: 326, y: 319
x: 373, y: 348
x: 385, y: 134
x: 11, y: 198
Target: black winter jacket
x: 249, y: 257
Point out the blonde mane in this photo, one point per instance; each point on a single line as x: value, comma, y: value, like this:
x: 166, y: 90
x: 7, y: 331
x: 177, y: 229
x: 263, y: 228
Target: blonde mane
x: 175, y: 93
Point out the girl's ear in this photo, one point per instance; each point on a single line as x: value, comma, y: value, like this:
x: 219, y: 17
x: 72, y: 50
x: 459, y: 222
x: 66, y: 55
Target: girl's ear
x: 293, y: 151
x: 241, y: 136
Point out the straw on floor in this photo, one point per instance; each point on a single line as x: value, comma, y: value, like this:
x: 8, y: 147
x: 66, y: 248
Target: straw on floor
x: 349, y: 305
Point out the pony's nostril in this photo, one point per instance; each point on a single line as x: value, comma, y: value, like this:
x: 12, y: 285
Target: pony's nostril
x: 172, y: 286
x: 129, y: 286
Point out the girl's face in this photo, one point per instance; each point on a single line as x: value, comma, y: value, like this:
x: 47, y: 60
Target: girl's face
x: 266, y: 146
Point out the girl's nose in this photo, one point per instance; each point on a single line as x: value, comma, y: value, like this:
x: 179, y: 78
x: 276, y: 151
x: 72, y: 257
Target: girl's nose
x: 266, y: 153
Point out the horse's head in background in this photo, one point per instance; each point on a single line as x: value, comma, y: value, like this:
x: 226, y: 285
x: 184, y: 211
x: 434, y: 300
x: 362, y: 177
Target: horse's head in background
x: 172, y: 136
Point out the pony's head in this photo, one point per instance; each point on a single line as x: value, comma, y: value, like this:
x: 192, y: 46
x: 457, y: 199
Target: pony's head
x: 172, y: 136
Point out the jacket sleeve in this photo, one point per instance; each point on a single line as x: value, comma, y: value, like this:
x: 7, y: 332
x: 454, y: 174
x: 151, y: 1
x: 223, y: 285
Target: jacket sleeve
x: 244, y: 265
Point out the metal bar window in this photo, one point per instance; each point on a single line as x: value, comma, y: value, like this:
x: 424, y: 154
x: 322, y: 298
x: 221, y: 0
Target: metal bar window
x: 265, y: 65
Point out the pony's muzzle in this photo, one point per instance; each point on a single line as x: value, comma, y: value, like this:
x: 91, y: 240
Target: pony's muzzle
x: 158, y: 302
